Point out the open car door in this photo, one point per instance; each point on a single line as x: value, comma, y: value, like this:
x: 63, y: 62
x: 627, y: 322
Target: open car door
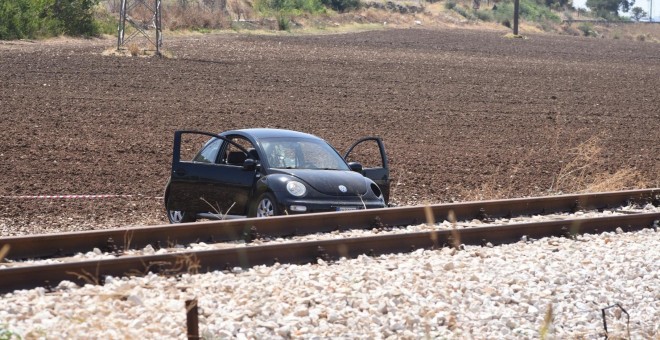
x: 209, y: 183
x: 370, y: 152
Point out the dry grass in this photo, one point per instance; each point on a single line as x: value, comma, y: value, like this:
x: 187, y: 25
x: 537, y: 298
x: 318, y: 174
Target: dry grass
x: 134, y: 49
x: 87, y: 277
x: 546, y: 327
x: 241, y: 10
x: 136, y: 52
x: 638, y: 32
x: 216, y: 209
x: 580, y: 169
x: 4, y: 251
x: 583, y: 172
x: 190, y: 263
x: 455, y: 236
x: 197, y: 17
x: 128, y: 238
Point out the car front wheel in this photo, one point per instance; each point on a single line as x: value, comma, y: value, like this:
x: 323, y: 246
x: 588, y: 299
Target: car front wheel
x: 267, y: 206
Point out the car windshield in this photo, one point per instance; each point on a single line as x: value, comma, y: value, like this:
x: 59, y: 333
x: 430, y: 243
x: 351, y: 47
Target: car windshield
x: 301, y: 153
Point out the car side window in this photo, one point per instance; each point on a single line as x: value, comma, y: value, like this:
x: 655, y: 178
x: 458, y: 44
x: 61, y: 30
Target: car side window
x: 209, y: 152
x: 232, y: 155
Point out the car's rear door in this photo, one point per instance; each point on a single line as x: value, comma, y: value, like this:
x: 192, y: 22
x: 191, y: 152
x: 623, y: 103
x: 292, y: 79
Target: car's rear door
x: 204, y: 184
x: 370, y: 152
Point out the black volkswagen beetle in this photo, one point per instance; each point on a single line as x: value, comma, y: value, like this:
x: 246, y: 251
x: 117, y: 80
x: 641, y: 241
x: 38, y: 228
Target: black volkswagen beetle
x: 267, y: 172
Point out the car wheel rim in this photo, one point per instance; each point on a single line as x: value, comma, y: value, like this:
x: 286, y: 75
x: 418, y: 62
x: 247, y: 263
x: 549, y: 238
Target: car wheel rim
x: 265, y: 208
x: 176, y: 216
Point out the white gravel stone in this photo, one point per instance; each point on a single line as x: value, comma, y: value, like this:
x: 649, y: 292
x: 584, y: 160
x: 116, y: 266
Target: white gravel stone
x: 480, y: 292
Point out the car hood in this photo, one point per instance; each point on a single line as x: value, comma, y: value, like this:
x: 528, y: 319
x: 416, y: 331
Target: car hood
x: 328, y: 181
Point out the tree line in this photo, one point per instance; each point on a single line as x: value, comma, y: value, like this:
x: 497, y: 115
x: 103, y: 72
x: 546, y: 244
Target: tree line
x: 20, y: 19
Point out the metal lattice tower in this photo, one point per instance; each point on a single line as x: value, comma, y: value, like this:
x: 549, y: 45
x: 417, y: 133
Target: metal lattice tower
x: 140, y: 28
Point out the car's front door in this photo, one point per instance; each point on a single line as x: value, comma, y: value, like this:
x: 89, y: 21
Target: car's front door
x: 210, y: 182
x: 370, y: 152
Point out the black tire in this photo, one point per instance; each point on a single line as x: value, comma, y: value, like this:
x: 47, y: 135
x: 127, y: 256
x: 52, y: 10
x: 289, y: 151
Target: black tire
x: 266, y: 206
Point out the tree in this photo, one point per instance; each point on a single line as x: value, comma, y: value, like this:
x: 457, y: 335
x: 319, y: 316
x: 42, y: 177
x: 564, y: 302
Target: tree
x: 76, y: 17
x: 609, y: 7
x: 18, y: 19
x: 638, y: 13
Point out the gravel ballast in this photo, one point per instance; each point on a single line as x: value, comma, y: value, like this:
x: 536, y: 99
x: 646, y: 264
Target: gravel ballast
x: 553, y: 286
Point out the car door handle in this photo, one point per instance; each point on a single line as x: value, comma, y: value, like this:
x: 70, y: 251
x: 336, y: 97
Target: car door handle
x: 180, y: 172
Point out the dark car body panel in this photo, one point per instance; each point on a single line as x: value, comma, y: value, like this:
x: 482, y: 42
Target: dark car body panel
x: 327, y: 181
x: 219, y: 186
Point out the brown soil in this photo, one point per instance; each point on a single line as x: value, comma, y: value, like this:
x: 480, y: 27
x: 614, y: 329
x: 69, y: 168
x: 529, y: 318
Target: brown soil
x: 464, y: 114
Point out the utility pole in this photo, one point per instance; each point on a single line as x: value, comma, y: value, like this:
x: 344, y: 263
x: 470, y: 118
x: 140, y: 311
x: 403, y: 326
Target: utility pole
x: 650, y: 10
x: 155, y: 11
x: 516, y: 10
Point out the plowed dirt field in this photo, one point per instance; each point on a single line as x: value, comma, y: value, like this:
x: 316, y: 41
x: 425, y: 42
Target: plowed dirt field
x: 464, y: 114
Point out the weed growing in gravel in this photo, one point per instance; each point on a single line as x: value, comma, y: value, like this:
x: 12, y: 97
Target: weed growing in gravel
x: 6, y: 334
x: 547, y: 323
x: 128, y: 238
x: 88, y: 277
x: 430, y: 220
x: 455, y: 236
x: 3, y: 252
x: 188, y: 262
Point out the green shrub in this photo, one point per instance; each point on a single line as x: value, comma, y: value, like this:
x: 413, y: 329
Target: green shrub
x: 464, y: 12
x: 76, y: 17
x: 587, y: 29
x: 504, y: 13
x: 105, y: 21
x: 450, y: 4
x: 18, y: 19
x: 43, y: 18
x: 283, y: 22
x: 294, y: 7
x: 342, y: 5
x: 530, y: 10
x: 484, y: 15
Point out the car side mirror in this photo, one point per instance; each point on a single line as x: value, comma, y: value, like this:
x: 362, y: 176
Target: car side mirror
x: 249, y: 164
x: 355, y: 166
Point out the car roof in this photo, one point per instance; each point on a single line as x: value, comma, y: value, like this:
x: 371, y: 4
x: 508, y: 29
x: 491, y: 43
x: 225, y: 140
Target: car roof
x: 259, y: 133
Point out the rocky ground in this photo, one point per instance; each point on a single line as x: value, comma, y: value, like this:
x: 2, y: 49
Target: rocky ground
x: 464, y: 114
x: 552, y: 288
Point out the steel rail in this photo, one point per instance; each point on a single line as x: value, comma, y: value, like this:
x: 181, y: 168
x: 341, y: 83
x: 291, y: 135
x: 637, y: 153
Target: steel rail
x: 94, y: 271
x: 64, y: 244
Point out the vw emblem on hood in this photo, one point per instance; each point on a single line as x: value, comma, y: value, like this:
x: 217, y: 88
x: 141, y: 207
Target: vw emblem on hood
x: 342, y: 188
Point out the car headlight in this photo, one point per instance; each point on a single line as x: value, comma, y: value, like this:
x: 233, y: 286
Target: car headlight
x: 296, y: 188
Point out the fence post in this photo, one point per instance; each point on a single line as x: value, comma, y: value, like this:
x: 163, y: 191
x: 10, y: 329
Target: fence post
x: 192, y: 319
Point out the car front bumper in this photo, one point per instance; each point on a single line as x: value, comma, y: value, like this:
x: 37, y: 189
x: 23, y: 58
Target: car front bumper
x: 289, y: 205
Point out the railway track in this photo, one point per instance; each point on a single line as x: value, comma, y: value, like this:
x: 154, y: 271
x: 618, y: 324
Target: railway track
x: 118, y: 241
